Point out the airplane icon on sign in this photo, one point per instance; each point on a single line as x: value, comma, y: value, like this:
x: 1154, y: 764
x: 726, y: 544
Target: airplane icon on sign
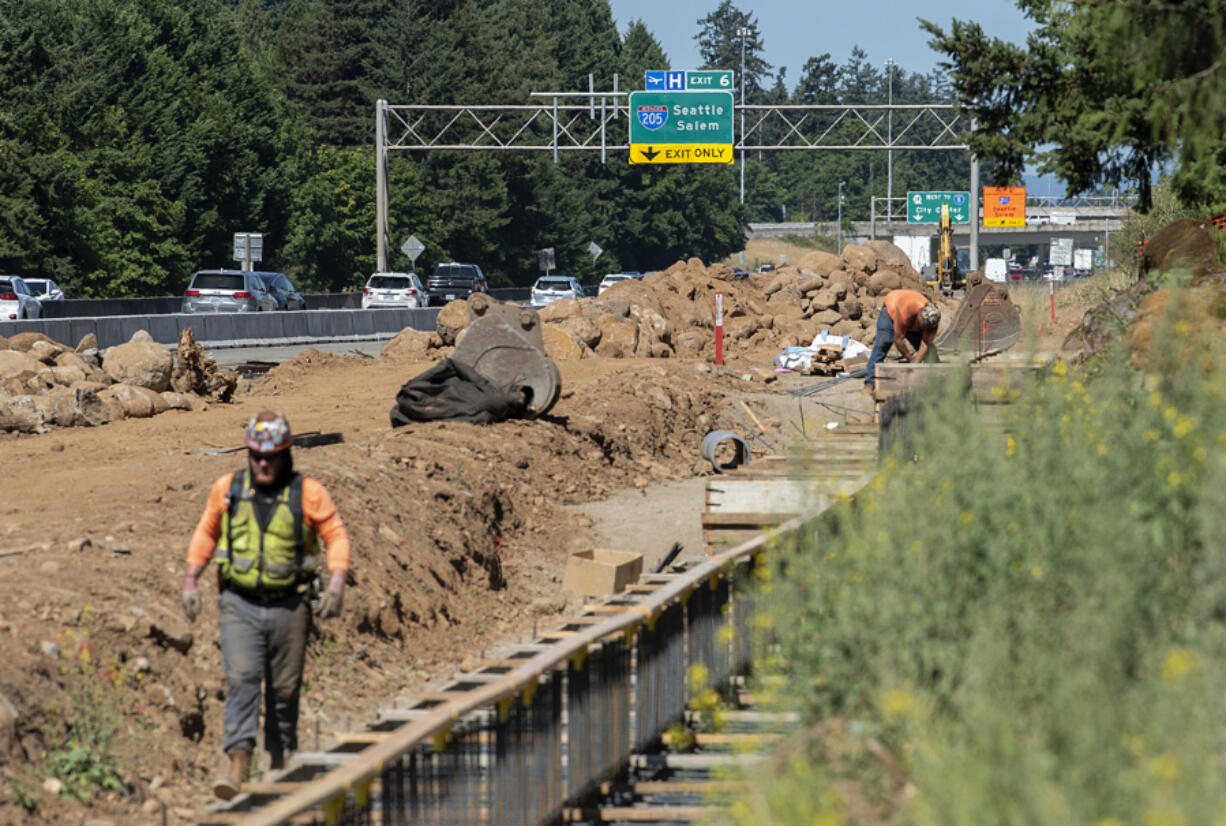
x: 655, y: 79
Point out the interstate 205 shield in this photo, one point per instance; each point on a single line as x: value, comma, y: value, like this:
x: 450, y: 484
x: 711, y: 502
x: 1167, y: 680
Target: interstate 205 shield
x: 653, y: 116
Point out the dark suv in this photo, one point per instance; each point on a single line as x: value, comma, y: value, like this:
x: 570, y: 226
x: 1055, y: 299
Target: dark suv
x: 452, y: 281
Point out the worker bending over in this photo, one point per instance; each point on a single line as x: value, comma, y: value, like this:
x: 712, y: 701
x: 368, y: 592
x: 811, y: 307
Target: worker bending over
x: 266, y: 523
x: 908, y: 321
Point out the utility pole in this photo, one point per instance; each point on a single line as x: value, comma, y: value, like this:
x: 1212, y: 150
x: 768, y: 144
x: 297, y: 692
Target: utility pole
x: 743, y: 32
x: 841, y: 185
x: 889, y: 184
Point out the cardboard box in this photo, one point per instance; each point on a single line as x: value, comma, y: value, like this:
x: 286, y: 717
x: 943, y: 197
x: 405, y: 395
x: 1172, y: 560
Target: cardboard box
x: 600, y: 572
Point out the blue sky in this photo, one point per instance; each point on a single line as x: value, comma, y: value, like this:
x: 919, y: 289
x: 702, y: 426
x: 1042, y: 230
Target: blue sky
x: 795, y: 30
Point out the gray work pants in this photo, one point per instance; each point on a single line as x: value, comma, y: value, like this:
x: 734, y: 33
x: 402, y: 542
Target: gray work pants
x: 262, y: 643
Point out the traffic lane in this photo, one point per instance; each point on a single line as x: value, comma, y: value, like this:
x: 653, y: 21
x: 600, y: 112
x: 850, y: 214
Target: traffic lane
x: 229, y: 357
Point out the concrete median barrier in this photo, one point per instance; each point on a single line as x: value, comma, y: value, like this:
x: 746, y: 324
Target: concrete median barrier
x: 233, y: 329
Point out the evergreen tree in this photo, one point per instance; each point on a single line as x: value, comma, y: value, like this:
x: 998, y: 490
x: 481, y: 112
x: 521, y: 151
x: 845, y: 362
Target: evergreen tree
x: 721, y: 45
x: 1101, y: 94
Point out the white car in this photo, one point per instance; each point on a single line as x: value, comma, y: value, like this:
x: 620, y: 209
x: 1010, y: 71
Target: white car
x: 16, y: 300
x: 550, y: 288
x: 44, y: 289
x: 614, y: 277
x: 393, y: 289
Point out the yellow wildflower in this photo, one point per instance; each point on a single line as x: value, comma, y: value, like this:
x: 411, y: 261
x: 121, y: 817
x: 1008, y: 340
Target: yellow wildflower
x: 966, y: 518
x: 897, y: 703
x: 1163, y: 817
x: 1150, y: 435
x: 1179, y: 663
x: 1036, y: 571
x: 1184, y: 426
x: 1164, y: 767
x: 1010, y: 446
x: 1059, y: 368
x: 1170, y: 413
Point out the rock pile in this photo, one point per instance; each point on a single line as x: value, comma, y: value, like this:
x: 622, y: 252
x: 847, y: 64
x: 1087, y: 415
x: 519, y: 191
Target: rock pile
x: 671, y: 313
x: 44, y: 383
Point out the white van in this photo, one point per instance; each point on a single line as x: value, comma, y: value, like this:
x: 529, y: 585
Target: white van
x: 996, y: 269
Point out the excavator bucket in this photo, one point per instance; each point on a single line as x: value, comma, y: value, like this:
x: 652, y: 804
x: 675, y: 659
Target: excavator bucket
x: 985, y: 321
x: 503, y: 343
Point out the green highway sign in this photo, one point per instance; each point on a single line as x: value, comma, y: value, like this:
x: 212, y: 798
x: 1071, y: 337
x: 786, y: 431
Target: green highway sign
x: 925, y: 207
x: 681, y: 117
x: 683, y: 80
x: 709, y: 81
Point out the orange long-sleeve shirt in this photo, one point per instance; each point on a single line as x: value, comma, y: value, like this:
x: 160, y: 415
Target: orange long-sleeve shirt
x: 318, y: 511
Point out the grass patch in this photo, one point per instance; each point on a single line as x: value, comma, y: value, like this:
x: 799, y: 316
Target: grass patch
x: 89, y: 718
x: 1029, y: 622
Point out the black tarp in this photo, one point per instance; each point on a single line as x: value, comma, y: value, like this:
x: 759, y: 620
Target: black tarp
x: 453, y: 391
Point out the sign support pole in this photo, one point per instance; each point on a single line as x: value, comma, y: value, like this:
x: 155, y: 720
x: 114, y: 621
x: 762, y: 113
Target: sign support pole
x: 381, y: 184
x: 719, y: 329
x: 974, y: 205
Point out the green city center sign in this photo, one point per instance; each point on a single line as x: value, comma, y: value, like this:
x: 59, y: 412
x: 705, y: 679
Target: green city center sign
x: 925, y: 207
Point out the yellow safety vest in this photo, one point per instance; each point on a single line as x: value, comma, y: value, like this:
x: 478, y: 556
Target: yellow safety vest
x: 281, y: 554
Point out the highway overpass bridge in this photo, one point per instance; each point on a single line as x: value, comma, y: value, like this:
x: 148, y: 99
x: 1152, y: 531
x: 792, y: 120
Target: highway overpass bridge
x: 1088, y: 226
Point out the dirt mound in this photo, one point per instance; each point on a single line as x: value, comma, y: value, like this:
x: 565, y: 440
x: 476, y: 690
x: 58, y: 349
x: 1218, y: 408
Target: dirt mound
x: 1184, y: 247
x: 670, y: 314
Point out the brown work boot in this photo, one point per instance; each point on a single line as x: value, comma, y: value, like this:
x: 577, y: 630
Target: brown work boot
x: 230, y: 783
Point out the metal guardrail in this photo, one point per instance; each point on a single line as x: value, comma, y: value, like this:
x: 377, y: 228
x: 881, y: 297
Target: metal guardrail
x: 497, y: 754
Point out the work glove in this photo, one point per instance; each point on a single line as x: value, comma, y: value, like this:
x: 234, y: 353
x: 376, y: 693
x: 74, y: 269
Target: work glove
x: 330, y: 604
x: 191, y: 604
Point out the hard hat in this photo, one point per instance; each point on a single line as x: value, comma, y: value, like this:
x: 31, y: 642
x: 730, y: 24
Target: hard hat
x: 268, y: 432
x: 930, y: 316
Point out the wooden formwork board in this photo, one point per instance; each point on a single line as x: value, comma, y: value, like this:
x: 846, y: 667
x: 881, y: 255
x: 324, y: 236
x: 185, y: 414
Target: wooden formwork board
x: 990, y: 381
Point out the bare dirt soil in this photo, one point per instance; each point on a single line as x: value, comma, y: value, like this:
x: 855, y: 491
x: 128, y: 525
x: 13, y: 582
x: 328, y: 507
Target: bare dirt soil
x: 460, y: 534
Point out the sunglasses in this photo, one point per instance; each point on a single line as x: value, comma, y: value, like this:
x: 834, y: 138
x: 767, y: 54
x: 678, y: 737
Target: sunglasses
x: 263, y: 458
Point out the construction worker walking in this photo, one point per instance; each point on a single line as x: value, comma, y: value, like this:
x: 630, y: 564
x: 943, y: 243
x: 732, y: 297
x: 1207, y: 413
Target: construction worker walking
x: 908, y: 321
x: 265, y: 523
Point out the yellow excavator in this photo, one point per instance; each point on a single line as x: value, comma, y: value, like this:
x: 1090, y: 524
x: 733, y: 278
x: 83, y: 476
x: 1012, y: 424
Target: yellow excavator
x: 945, y: 274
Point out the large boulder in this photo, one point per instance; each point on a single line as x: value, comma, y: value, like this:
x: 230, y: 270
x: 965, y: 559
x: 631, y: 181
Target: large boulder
x: 691, y: 342
x: 408, y: 343
x: 560, y: 309
x: 141, y: 362
x: 882, y: 282
x: 24, y: 341
x: 858, y: 258
x: 21, y: 413
x: 17, y: 364
x: 888, y: 254
x: 452, y: 320
x: 584, y: 330
x: 559, y: 344
x: 67, y: 407
x: 134, y: 401
x: 618, y: 339
x: 820, y: 262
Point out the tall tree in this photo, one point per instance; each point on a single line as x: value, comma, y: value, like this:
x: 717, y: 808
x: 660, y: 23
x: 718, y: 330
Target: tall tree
x: 328, y: 56
x: 1101, y: 93
x: 725, y: 35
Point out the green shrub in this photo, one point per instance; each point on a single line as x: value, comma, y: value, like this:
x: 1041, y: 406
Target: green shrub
x: 1031, y: 621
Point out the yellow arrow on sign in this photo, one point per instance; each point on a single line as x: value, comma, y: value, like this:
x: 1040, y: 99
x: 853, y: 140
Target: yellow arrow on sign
x: 681, y: 153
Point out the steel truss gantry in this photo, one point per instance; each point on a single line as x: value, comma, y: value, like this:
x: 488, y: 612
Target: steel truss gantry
x: 599, y: 121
